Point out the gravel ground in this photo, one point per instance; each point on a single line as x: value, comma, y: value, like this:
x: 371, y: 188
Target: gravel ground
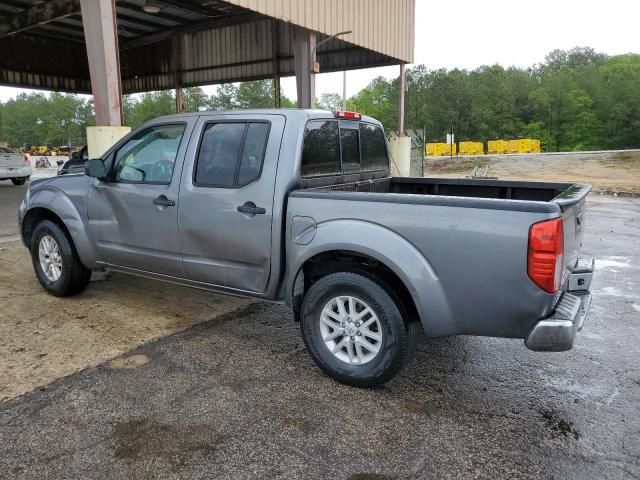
x: 43, y: 338
x: 238, y: 397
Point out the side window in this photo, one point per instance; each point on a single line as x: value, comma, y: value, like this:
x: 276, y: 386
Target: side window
x: 373, y: 148
x: 231, y: 154
x: 321, y: 151
x: 253, y: 153
x: 149, y: 156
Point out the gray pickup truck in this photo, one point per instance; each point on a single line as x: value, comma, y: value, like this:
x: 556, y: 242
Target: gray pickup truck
x: 298, y: 206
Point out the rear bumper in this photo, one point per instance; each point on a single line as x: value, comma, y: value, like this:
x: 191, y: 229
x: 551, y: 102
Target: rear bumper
x: 15, y: 172
x: 558, y: 332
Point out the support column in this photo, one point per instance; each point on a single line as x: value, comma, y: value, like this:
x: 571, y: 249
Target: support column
x: 275, y: 41
x: 303, y: 58
x: 403, y: 87
x: 101, y: 38
x: 177, y: 77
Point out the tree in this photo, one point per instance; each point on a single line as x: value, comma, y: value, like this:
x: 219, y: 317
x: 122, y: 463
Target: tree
x: 330, y: 101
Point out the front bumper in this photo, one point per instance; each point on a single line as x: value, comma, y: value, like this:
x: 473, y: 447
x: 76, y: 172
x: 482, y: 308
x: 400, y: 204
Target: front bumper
x: 558, y: 332
x: 15, y: 172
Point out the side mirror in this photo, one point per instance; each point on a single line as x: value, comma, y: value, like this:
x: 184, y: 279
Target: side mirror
x: 75, y: 156
x: 95, y: 168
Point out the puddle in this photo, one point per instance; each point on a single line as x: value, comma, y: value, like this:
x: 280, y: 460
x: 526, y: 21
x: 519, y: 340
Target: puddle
x: 609, y: 262
x: 132, y: 361
x: 558, y: 425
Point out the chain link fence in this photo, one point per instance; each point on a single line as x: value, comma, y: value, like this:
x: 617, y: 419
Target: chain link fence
x: 416, y: 165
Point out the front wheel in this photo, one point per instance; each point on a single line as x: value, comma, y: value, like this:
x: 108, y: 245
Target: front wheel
x: 56, y: 261
x: 355, y: 331
x: 19, y: 180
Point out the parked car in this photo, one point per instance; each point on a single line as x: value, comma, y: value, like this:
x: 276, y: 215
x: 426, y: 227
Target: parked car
x: 76, y: 162
x: 14, y: 166
x: 297, y: 206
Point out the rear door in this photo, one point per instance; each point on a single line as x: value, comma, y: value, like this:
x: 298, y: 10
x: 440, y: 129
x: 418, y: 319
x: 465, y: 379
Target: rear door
x: 226, y: 200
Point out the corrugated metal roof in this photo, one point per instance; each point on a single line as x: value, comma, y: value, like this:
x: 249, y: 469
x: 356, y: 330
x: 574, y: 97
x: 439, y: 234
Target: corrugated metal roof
x: 208, y: 41
x: 384, y: 26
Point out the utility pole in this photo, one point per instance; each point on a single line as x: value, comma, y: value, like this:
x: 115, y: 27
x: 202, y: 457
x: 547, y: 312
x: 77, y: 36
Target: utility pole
x: 401, y: 100
x: 344, y: 89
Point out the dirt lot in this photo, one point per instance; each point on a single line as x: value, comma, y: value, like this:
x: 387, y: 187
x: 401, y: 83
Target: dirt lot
x: 43, y: 338
x: 609, y: 171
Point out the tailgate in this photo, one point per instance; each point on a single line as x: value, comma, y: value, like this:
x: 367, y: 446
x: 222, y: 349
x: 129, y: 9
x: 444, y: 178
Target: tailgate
x: 572, y: 202
x: 11, y: 160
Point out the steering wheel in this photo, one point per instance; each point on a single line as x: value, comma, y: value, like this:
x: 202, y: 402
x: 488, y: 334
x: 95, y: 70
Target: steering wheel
x: 162, y: 171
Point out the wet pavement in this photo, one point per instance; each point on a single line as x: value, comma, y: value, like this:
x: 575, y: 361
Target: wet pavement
x: 238, y: 397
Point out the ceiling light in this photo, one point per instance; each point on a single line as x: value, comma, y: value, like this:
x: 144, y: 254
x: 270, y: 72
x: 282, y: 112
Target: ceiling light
x: 151, y: 7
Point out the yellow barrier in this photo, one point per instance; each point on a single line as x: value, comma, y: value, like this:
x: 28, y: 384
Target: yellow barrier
x: 497, y: 146
x: 471, y: 148
x: 524, y: 145
x: 440, y: 149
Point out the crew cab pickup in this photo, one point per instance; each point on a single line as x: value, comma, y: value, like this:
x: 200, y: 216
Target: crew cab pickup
x: 298, y: 206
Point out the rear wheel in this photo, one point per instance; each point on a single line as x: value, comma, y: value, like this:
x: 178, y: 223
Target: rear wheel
x: 355, y: 330
x: 56, y: 261
x: 19, y: 180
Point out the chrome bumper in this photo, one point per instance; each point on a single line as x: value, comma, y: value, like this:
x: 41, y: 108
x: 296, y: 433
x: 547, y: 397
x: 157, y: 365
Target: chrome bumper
x: 557, y: 333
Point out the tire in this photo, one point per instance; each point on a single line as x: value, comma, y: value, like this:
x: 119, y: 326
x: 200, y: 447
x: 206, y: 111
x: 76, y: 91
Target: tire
x: 19, y: 180
x: 73, y: 276
x: 395, y: 348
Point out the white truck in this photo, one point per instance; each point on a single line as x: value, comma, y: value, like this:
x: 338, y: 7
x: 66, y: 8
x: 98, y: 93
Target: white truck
x: 14, y: 166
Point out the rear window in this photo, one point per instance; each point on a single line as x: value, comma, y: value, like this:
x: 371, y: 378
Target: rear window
x: 334, y: 147
x: 373, y: 148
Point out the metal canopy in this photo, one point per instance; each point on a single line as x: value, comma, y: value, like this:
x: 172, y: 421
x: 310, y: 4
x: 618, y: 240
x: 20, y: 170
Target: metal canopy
x: 186, y: 43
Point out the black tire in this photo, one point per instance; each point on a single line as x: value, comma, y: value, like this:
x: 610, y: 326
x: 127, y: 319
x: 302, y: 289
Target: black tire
x: 74, y: 277
x: 19, y: 180
x: 399, y: 332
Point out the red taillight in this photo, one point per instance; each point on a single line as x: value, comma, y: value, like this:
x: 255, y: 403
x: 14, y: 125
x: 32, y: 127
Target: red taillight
x: 546, y: 253
x: 27, y: 159
x: 347, y: 115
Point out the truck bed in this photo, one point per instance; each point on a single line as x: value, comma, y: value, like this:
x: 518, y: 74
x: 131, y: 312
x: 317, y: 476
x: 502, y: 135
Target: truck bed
x: 467, y: 192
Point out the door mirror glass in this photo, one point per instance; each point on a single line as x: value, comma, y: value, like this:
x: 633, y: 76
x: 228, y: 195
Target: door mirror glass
x: 95, y: 168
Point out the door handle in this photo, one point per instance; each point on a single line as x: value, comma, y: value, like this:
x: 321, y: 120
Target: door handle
x: 251, y: 209
x: 163, y: 201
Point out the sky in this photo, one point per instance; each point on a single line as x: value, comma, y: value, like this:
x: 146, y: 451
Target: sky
x: 471, y: 33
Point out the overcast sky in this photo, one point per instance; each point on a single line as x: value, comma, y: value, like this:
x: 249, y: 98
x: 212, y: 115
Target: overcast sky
x: 471, y: 33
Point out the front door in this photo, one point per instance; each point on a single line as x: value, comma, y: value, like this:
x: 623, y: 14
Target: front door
x: 226, y: 200
x: 133, y: 215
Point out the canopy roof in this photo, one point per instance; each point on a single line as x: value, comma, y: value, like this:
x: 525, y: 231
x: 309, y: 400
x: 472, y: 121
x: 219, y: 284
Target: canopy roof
x: 201, y: 41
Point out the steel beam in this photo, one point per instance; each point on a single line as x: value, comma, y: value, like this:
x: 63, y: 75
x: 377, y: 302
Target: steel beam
x: 38, y: 15
x: 403, y: 87
x: 303, y: 58
x: 99, y: 21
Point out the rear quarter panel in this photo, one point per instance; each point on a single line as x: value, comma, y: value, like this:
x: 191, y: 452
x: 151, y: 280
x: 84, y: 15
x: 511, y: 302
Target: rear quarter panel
x: 471, y: 274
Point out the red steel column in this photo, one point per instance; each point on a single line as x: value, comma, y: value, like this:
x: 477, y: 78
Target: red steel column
x: 101, y: 38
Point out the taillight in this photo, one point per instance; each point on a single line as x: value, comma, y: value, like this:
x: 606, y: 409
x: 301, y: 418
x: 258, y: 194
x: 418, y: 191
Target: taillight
x: 347, y: 115
x: 27, y: 159
x: 546, y: 254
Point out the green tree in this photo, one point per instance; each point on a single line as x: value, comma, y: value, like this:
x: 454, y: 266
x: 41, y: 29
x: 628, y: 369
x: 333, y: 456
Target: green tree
x: 330, y: 101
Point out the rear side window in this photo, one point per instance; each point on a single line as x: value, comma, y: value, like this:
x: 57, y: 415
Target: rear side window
x: 373, y: 148
x: 231, y: 154
x: 321, y: 151
x: 333, y: 147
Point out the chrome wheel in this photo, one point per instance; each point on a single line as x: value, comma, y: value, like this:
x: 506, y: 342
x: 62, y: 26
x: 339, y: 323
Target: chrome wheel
x: 50, y: 258
x: 351, y: 330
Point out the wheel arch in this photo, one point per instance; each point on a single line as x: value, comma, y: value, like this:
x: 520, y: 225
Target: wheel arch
x: 54, y: 206
x: 378, y: 251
